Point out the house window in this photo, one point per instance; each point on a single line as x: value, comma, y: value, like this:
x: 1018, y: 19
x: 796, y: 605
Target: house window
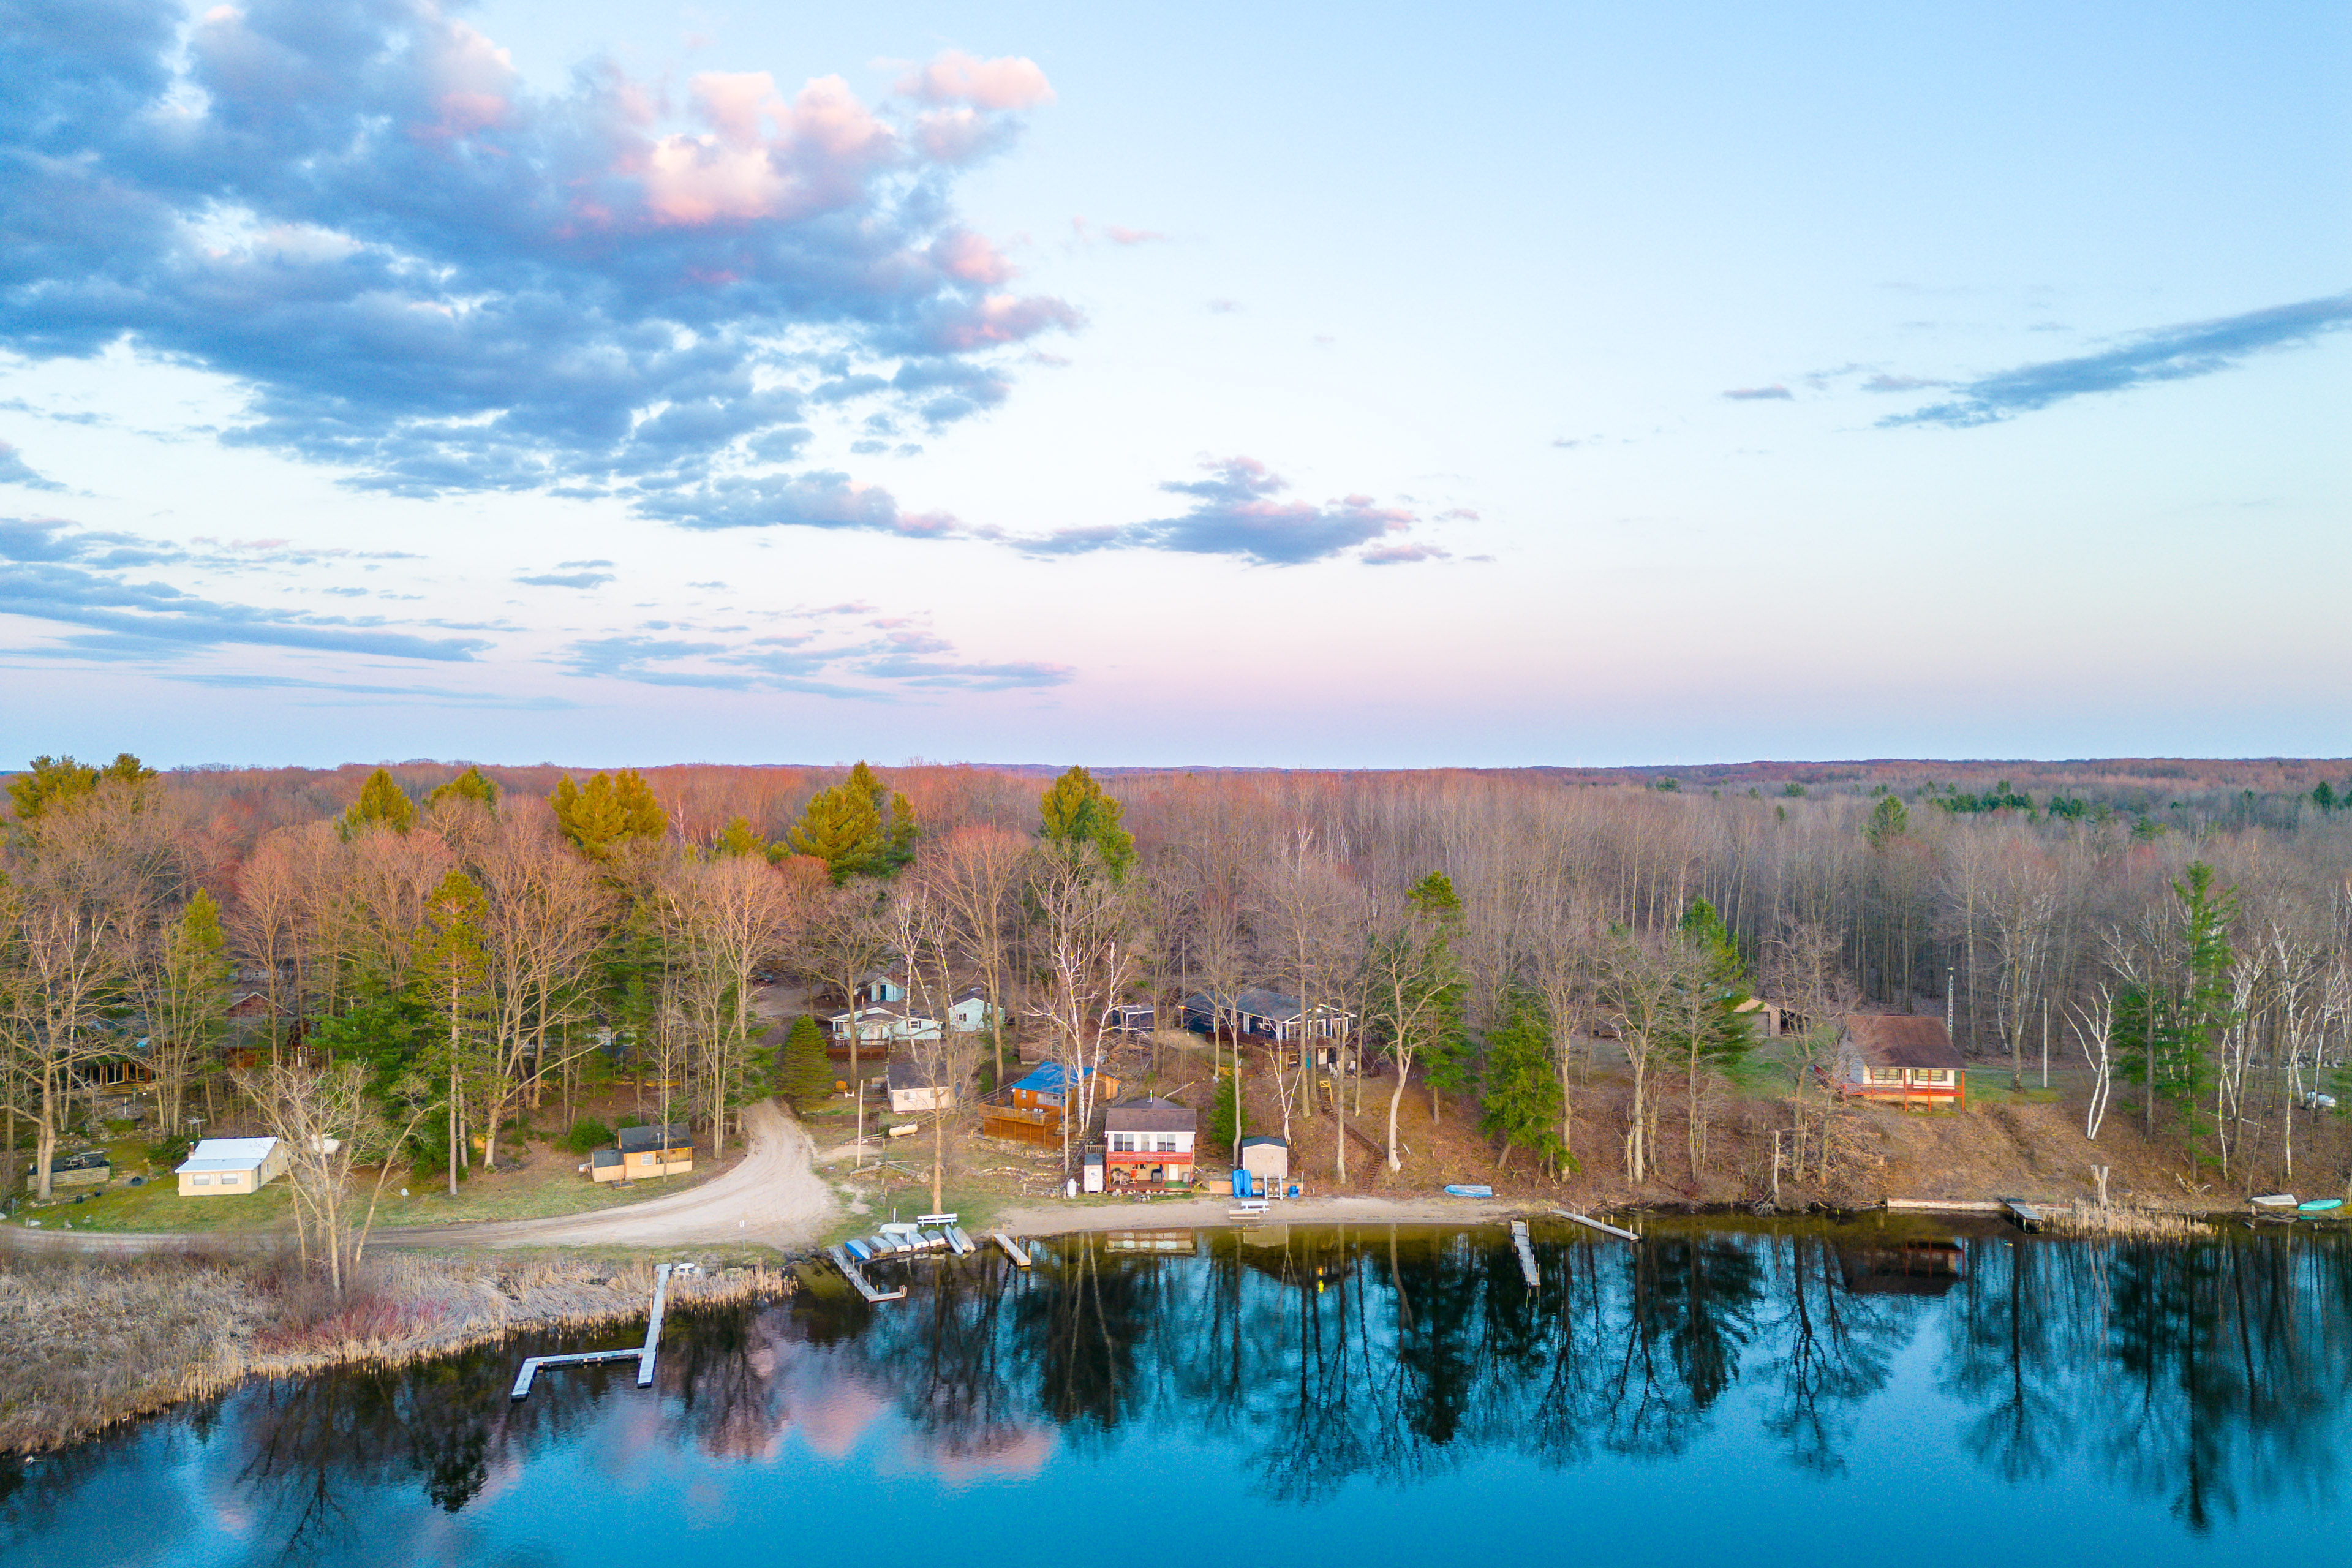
x: 200, y: 1181
x: 1934, y: 1075
x: 228, y: 1181
x: 1122, y: 1143
x: 1167, y: 1143
x: 1886, y: 1074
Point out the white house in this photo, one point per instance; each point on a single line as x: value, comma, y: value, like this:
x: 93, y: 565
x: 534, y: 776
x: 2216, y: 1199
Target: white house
x: 223, y: 1167
x: 899, y: 1022
x: 911, y: 1089
x: 1151, y: 1143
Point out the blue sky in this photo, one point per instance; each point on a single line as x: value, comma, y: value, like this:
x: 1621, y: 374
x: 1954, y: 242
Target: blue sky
x: 627, y: 381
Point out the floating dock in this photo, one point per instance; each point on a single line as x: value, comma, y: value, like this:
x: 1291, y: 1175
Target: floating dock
x: 1950, y: 1206
x: 1527, y: 1253
x: 1621, y: 1234
x: 642, y: 1354
x: 2027, y: 1217
x: 1012, y: 1249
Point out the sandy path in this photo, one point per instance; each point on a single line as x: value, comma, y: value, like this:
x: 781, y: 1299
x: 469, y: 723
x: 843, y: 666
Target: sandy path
x: 773, y: 1196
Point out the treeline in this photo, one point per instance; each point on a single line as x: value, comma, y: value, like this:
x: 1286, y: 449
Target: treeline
x: 1571, y: 958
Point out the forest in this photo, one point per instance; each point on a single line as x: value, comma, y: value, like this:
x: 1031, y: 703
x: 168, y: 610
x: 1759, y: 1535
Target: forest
x: 419, y: 958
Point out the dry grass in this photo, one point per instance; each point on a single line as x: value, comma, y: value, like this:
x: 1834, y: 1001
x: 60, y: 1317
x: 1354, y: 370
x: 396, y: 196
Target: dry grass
x: 88, y: 1341
x: 2082, y: 1219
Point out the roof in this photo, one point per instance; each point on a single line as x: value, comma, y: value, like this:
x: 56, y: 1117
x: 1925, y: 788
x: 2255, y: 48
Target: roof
x: 228, y: 1154
x: 1264, y: 1142
x: 638, y: 1140
x: 905, y: 1072
x: 1902, y: 1040
x: 1148, y: 1115
x: 1256, y: 1003
x: 1048, y: 1079
x: 604, y: 1159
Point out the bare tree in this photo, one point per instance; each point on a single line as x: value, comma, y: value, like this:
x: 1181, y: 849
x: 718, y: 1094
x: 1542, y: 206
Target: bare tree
x: 924, y: 932
x: 1088, y: 957
x: 975, y: 874
x: 1412, y: 975
x: 842, y: 942
x: 66, y: 965
x: 325, y: 1120
x: 729, y: 916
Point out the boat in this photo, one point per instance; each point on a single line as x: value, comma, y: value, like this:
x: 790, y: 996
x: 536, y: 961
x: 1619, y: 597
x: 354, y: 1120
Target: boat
x: 1465, y: 1190
x: 2273, y: 1201
x: 2319, y: 1205
x: 859, y: 1250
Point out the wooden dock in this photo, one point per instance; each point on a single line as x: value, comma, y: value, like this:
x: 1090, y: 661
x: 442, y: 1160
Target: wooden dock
x: 856, y: 1277
x: 2027, y: 1217
x: 1948, y: 1205
x: 642, y: 1354
x: 1012, y: 1249
x: 1527, y: 1254
x: 1621, y: 1234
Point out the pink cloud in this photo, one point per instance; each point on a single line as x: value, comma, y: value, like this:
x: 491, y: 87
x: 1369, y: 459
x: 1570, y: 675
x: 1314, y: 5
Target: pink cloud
x: 1012, y: 82
x: 1003, y: 318
x: 1119, y: 235
x: 814, y: 157
x: 964, y: 255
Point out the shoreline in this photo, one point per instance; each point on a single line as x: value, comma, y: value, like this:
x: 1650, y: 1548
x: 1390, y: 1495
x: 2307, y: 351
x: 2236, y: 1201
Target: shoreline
x: 189, y: 1326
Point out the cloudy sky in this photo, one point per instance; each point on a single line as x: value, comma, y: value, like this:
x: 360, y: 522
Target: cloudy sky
x: 627, y: 381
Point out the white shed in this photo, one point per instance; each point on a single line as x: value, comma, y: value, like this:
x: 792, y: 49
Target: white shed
x: 227, y: 1167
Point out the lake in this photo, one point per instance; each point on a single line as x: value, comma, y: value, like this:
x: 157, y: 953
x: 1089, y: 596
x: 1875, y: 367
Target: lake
x: 1761, y: 1391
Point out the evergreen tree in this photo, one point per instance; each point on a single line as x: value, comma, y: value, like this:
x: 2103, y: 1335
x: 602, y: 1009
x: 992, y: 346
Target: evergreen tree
x: 608, y: 812
x: 1520, y: 1103
x: 1448, y: 1064
x: 741, y: 838
x: 62, y: 782
x: 1228, y: 1122
x: 468, y: 785
x: 1076, y: 811
x: 2324, y: 797
x: 857, y: 827
x: 452, y: 984
x: 1889, y: 821
x: 2167, y: 1033
x: 381, y: 800
x: 804, y: 1073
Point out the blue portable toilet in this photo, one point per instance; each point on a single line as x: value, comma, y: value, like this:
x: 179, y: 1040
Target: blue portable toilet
x: 1242, y: 1188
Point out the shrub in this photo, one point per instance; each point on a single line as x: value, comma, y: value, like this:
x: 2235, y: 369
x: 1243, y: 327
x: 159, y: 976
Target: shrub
x: 587, y: 1136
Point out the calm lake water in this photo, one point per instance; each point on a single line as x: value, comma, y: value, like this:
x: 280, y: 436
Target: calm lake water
x: 1764, y: 1394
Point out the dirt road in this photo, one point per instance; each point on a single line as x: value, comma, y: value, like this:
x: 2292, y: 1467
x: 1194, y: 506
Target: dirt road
x: 773, y: 1197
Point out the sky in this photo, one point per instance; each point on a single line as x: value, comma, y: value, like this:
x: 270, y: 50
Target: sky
x: 621, y: 382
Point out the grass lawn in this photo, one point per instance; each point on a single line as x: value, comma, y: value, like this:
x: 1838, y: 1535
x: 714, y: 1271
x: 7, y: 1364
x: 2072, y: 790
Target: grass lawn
x: 547, y: 1185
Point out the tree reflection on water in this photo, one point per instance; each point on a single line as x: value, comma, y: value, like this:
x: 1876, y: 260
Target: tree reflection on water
x: 2212, y: 1377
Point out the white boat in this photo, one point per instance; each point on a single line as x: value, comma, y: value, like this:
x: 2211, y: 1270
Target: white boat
x: 2273, y: 1201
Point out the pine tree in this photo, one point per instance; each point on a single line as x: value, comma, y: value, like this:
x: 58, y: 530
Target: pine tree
x: 857, y: 827
x: 1521, y: 1103
x: 2324, y: 797
x: 62, y: 782
x: 1076, y: 811
x: 803, y: 1072
x: 1228, y: 1122
x: 1448, y: 1064
x: 741, y: 838
x: 381, y: 800
x: 452, y: 981
x: 608, y: 812
x: 468, y: 785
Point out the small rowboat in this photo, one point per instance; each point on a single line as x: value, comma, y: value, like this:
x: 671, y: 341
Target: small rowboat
x: 859, y: 1250
x: 1467, y: 1191
x: 2319, y: 1205
x: 2274, y: 1202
